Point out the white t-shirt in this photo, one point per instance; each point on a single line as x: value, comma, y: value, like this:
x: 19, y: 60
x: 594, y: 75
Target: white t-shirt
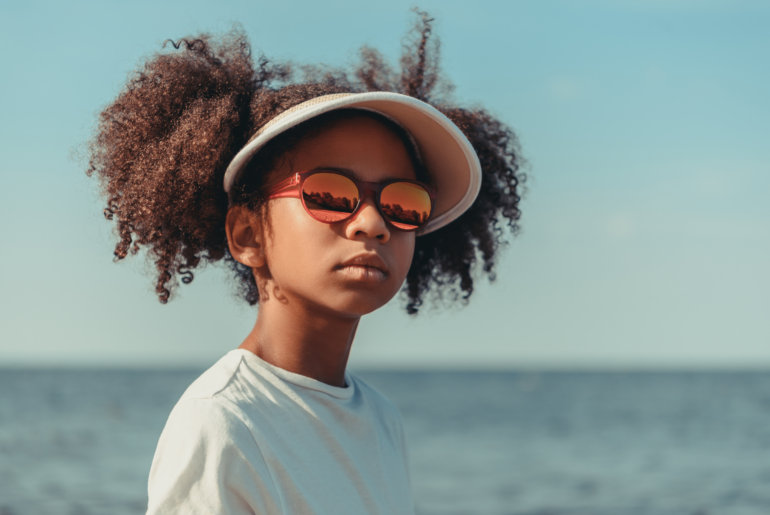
x: 250, y: 438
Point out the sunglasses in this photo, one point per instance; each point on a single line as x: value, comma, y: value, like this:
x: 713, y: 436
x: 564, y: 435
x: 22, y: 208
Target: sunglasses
x: 330, y: 196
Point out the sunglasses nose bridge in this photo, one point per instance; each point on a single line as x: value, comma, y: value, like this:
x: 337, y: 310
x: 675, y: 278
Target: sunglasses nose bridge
x: 369, y: 187
x: 368, y: 190
x: 370, y: 195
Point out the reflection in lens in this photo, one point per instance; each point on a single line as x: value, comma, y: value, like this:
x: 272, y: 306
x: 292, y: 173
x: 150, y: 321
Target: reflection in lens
x: 405, y: 204
x: 330, y: 197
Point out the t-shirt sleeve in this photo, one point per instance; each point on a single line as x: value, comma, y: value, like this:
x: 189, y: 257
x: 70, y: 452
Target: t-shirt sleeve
x: 207, y: 462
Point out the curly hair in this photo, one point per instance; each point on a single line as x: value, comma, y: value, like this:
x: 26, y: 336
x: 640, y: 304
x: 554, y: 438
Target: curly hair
x: 160, y: 151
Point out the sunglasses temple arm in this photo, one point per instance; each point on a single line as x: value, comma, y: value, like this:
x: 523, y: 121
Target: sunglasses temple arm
x: 285, y: 189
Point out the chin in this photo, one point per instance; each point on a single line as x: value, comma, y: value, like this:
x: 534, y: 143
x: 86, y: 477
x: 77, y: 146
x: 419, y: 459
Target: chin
x: 359, y: 305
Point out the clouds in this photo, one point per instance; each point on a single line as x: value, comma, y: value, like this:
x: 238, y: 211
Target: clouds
x: 620, y: 225
x: 566, y: 89
x: 681, y: 6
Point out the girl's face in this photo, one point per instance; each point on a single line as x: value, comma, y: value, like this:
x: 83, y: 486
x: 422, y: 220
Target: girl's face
x: 351, y: 267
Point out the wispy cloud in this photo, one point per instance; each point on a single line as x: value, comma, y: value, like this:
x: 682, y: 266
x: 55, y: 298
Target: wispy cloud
x: 565, y: 89
x: 620, y: 226
x: 694, y: 6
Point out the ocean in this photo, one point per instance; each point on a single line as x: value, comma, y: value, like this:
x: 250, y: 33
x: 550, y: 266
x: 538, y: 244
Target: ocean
x: 77, y: 442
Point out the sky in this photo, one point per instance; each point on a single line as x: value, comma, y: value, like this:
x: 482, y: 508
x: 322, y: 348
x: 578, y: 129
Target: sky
x: 645, y: 234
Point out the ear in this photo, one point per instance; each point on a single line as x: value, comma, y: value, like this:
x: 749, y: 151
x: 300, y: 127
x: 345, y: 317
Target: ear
x: 245, y: 237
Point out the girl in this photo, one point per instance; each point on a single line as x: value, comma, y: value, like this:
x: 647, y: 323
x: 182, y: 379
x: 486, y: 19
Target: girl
x: 325, y: 195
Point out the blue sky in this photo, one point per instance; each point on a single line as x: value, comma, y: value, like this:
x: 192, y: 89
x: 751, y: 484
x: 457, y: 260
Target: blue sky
x: 646, y: 227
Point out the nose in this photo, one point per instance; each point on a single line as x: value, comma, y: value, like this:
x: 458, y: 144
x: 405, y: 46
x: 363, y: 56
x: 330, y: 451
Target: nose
x: 367, y: 222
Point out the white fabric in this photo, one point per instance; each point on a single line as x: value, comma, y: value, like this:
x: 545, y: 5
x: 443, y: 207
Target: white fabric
x: 247, y: 437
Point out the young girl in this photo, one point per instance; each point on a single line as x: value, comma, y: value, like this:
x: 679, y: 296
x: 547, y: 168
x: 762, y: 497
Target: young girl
x: 325, y: 195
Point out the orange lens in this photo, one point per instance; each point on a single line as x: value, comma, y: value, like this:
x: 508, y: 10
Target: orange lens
x: 406, y: 205
x: 329, y: 197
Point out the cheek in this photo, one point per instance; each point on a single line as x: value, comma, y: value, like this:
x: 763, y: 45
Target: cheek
x: 403, y: 246
x: 295, y: 241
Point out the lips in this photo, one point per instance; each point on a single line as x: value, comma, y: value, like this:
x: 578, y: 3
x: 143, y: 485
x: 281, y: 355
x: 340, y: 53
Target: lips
x: 367, y: 265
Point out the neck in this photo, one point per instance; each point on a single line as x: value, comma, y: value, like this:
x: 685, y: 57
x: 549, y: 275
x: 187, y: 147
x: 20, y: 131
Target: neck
x: 302, y: 340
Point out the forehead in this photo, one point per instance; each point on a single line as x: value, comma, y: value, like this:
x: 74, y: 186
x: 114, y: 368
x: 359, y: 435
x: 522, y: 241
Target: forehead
x: 366, y: 147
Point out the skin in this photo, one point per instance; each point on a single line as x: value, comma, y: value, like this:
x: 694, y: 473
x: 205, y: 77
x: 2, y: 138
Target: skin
x: 311, y: 302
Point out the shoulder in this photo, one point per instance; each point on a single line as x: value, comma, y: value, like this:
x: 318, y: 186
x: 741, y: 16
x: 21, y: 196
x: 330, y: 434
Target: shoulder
x: 199, y: 429
x: 387, y: 416
x: 207, y: 461
x: 370, y: 392
x: 203, y: 416
x: 215, y: 403
x: 381, y: 405
x: 215, y: 379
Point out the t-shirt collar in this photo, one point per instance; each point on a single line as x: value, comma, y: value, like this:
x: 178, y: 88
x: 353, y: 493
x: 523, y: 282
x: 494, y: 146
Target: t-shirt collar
x: 298, y: 379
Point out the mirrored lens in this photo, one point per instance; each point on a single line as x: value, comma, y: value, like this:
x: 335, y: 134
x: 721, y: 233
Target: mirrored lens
x: 405, y: 204
x: 329, y: 197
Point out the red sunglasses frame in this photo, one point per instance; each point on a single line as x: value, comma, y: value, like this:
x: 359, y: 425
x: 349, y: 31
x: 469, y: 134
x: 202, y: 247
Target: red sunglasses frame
x: 292, y: 188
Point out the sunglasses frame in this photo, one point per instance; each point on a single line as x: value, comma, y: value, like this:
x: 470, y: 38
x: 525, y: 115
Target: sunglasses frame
x: 292, y: 188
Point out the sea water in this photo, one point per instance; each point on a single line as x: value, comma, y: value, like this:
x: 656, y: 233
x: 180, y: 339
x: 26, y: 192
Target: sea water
x: 81, y: 441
